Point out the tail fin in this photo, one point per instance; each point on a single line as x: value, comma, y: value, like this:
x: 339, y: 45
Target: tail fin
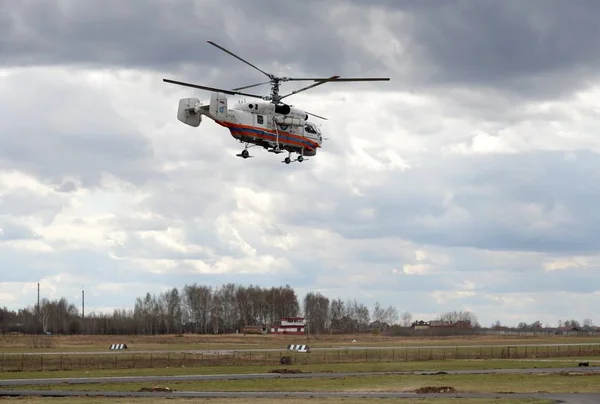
x: 188, y: 111
x: 218, y: 105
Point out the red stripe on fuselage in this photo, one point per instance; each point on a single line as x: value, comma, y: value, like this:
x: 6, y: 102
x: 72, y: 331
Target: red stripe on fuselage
x: 270, y: 137
x: 240, y: 128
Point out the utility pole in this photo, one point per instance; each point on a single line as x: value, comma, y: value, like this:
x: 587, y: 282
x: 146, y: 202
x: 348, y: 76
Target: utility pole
x: 37, y: 309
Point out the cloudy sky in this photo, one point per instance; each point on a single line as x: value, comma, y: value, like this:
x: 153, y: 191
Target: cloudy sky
x: 467, y: 182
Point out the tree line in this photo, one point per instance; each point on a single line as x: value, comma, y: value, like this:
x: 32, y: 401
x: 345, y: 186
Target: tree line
x: 203, y: 309
x: 224, y: 309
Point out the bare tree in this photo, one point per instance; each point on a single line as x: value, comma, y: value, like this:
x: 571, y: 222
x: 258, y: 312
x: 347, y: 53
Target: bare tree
x: 378, y: 313
x: 406, y: 319
x: 174, y: 316
x: 455, y: 316
x: 362, y: 316
x: 390, y: 315
x: 200, y: 309
x: 316, y: 312
x: 336, y: 316
x: 588, y: 324
x: 198, y: 303
x: 572, y: 324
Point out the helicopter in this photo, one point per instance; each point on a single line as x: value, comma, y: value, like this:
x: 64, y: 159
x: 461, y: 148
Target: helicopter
x: 271, y: 124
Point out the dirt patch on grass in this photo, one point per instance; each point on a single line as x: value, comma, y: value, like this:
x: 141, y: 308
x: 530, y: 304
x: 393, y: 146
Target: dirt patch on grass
x: 285, y: 371
x: 435, y: 389
x: 156, y: 389
x: 563, y: 373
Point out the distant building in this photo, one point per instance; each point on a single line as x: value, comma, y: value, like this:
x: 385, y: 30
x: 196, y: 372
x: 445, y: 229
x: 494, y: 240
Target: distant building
x: 254, y: 329
x: 439, y: 323
x: 424, y: 325
x: 290, y: 325
x: 420, y: 325
x: 456, y: 324
x: 570, y: 328
x: 380, y: 325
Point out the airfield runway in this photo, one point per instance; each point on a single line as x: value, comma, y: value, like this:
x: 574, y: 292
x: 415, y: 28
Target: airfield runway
x: 575, y: 398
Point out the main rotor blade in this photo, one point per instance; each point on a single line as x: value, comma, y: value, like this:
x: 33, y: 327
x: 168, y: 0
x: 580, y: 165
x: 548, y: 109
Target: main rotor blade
x: 318, y: 116
x: 239, y: 58
x: 181, y: 83
x: 343, y: 79
x: 250, y: 86
x: 323, y: 81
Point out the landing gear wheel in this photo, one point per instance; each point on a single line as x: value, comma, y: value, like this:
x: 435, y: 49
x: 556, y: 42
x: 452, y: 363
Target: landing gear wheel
x: 287, y: 160
x: 300, y: 159
x: 245, y: 153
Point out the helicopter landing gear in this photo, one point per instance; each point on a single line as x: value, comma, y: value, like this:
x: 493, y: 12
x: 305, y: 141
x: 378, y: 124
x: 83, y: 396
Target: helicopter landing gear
x: 276, y: 149
x: 300, y: 158
x: 245, y: 153
x: 287, y: 160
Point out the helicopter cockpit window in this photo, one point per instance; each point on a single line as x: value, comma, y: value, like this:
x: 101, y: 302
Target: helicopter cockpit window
x: 310, y: 129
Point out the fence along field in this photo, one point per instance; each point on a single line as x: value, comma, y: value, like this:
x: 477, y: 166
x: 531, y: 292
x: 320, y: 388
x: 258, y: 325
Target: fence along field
x: 127, y: 360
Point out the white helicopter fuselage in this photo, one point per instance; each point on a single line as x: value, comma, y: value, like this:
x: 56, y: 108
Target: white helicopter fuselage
x: 273, y: 125
x: 277, y: 127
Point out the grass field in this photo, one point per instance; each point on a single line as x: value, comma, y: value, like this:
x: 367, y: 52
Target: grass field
x: 464, y: 383
x: 430, y: 366
x: 84, y: 353
x: 19, y: 358
x: 44, y: 360
x: 24, y: 343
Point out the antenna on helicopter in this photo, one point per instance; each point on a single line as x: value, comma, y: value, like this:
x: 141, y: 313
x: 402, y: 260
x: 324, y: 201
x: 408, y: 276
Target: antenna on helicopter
x: 275, y: 81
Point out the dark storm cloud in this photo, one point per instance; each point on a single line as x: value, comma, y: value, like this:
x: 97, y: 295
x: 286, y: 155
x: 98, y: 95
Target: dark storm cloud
x: 169, y: 36
x: 132, y: 33
x: 512, y: 43
x: 531, y: 48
